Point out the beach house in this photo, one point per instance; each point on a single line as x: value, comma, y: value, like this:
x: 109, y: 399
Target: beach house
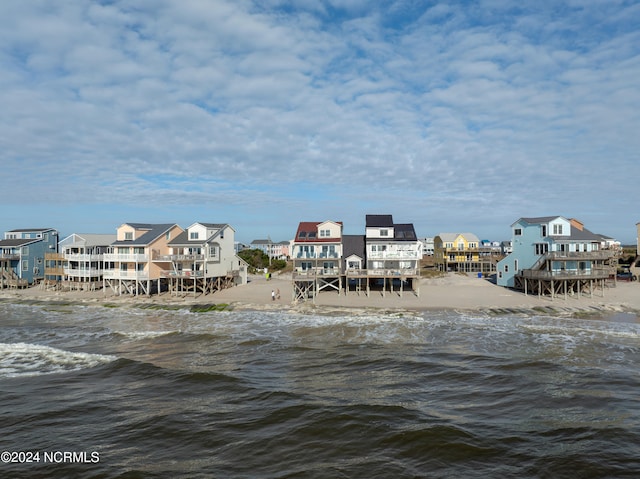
x: 393, y: 252
x: 79, y: 262
x: 554, y: 255
x: 139, y: 258
x: 461, y: 252
x: 317, y: 255
x: 203, y: 260
x: 22, y: 255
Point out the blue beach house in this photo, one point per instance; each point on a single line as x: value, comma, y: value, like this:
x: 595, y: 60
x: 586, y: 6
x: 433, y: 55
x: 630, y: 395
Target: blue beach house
x: 22, y: 255
x: 554, y: 255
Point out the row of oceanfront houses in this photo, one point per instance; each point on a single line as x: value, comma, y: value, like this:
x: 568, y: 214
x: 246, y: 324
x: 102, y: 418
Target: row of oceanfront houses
x: 546, y: 256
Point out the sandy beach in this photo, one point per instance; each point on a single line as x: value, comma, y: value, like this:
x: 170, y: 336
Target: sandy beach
x: 451, y: 292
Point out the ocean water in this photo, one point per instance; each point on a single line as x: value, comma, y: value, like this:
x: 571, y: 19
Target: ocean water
x: 96, y: 392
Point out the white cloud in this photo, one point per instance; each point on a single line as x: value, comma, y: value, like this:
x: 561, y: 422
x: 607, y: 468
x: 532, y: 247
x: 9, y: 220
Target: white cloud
x: 449, y: 109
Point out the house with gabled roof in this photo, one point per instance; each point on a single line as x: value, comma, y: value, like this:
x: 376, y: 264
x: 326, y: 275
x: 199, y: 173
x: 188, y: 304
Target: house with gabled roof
x: 22, y: 255
x: 393, y: 251
x: 317, y: 256
x: 553, y: 255
x: 79, y: 263
x: 457, y: 252
x: 138, y: 260
x: 391, y: 247
x: 203, y: 260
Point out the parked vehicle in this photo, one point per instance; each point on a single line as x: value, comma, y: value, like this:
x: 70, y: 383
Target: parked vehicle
x: 626, y: 275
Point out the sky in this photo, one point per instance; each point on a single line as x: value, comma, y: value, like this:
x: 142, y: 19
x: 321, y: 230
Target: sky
x: 456, y: 116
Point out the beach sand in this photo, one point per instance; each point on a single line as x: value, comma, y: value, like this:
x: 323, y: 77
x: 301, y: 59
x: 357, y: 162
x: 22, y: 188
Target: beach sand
x: 451, y: 292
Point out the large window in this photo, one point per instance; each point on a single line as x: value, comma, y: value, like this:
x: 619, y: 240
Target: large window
x: 193, y: 235
x: 128, y: 236
x: 557, y: 229
x: 541, y: 248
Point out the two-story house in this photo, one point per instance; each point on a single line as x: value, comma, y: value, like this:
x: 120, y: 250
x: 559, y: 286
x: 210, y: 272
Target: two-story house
x: 203, y: 259
x: 79, y: 263
x: 22, y: 255
x: 138, y: 258
x: 555, y: 255
x: 317, y: 254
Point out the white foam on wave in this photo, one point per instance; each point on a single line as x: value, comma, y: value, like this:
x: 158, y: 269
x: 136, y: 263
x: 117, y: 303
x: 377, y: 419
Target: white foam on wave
x: 135, y: 335
x: 25, y: 359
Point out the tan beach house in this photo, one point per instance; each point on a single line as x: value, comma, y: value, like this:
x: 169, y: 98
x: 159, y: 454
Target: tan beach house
x: 138, y: 259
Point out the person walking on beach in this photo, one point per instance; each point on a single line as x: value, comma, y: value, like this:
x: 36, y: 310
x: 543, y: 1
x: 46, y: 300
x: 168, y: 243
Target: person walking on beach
x: 273, y: 295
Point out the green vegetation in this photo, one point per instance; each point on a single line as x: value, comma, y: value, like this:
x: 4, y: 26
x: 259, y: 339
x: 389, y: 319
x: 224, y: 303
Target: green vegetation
x: 258, y: 260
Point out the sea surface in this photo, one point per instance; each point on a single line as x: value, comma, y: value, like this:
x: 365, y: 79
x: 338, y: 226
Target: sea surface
x: 99, y: 392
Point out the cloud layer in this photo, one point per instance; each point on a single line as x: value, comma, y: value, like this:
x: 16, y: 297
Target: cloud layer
x: 452, y: 115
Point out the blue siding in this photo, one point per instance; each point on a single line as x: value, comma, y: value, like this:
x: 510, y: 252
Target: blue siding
x: 524, y: 252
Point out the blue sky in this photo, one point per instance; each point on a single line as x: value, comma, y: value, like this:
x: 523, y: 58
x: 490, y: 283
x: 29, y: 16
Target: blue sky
x: 453, y: 115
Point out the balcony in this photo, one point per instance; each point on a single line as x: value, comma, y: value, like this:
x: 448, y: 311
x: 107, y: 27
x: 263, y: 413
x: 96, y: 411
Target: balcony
x: 9, y: 256
x: 83, y: 272
x: 593, y: 273
x: 117, y: 274
x: 318, y: 255
x: 83, y: 257
x: 182, y: 274
x: 397, y: 255
x: 126, y: 258
x: 316, y: 272
x: 180, y: 257
x: 579, y: 255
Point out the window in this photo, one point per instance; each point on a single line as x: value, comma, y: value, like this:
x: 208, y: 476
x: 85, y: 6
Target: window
x: 448, y: 245
x: 128, y: 236
x: 541, y: 248
x: 325, y: 233
x: 557, y: 229
x: 506, y: 268
x: 25, y: 265
x: 167, y: 235
x: 515, y: 265
x: 544, y: 231
x: 193, y: 235
x: 213, y: 252
x: 384, y: 232
x: 517, y: 232
x: 25, y: 251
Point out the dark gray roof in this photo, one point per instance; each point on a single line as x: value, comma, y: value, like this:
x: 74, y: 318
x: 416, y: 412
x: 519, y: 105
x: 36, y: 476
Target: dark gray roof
x: 154, y: 231
x: 31, y: 230
x: 378, y: 221
x: 353, y: 244
x: 405, y: 231
x: 580, y: 235
x: 213, y: 225
x: 183, y: 238
x: 539, y: 219
x: 12, y: 243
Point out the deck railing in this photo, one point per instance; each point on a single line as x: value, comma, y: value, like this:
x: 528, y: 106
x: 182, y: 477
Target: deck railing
x: 118, y: 274
x: 594, y: 273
